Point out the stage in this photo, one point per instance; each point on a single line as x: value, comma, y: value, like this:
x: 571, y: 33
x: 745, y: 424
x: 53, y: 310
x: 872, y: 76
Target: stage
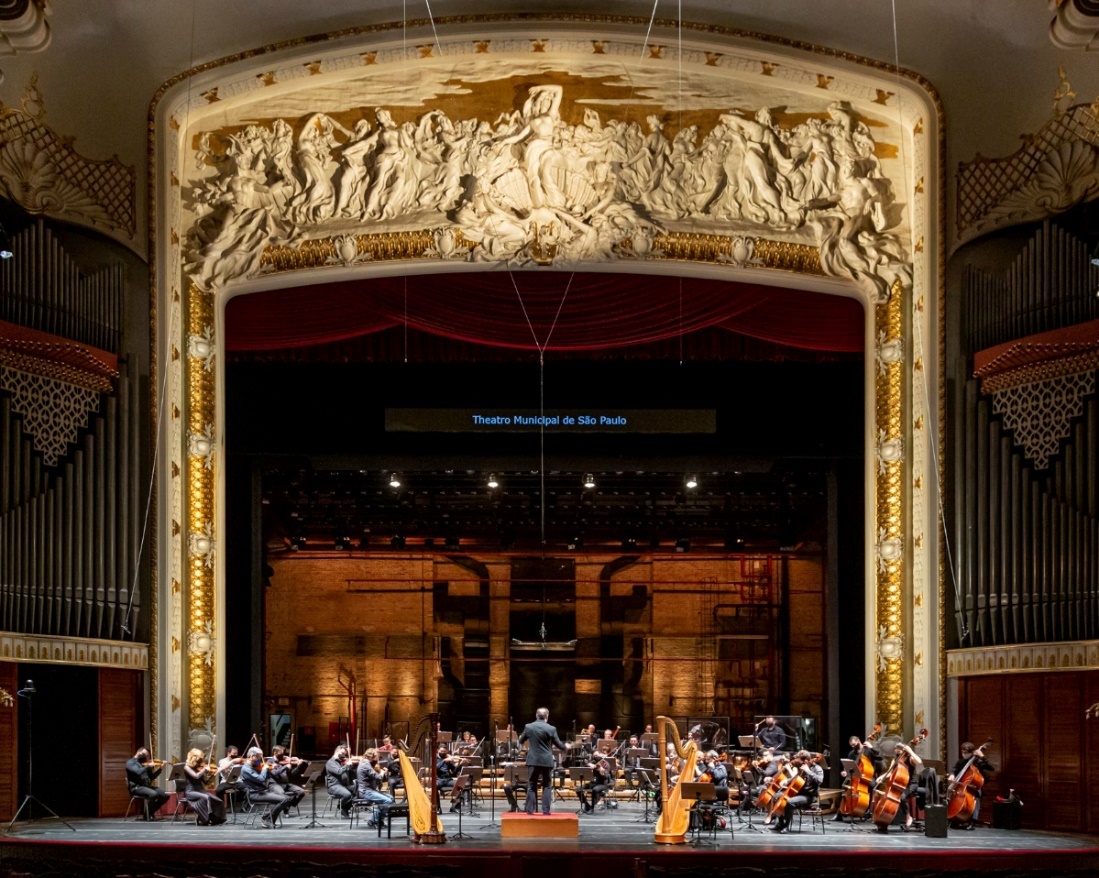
x: 613, y: 844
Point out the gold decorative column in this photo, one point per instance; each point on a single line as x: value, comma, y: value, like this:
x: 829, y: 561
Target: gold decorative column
x: 201, y: 481
x: 889, y: 490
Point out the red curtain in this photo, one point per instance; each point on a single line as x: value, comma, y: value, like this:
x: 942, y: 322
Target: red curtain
x: 554, y: 311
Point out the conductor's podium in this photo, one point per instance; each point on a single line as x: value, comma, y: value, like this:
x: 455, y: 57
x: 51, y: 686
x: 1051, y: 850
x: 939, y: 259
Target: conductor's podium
x: 522, y: 825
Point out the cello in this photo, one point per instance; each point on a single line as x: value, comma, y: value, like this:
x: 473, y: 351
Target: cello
x: 961, y: 798
x: 791, y: 788
x: 856, y: 792
x: 767, y: 794
x: 890, y: 793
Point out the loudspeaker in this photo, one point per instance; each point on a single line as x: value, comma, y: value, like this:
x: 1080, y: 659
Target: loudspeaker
x: 934, y: 821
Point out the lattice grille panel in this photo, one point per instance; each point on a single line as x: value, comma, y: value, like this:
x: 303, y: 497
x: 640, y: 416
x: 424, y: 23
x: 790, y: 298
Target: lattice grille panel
x: 53, y: 411
x: 1041, y: 414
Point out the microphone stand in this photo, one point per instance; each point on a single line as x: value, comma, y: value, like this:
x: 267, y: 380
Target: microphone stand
x: 492, y: 772
x: 30, y: 797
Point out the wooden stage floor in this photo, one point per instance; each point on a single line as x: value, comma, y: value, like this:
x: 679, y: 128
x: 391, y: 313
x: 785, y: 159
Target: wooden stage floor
x: 612, y: 844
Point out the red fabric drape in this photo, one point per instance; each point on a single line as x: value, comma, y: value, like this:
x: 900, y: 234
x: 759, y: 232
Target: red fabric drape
x: 555, y: 311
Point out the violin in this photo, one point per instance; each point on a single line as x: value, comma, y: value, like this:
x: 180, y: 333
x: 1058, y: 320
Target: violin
x: 856, y: 792
x: 961, y: 799
x: 890, y: 793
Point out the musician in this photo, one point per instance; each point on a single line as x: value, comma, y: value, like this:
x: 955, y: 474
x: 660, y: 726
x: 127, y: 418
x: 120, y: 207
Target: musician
x: 813, y: 777
x: 446, y: 769
x: 338, y: 779
x: 369, y: 779
x: 654, y: 746
x: 387, y: 745
x: 771, y: 736
x: 632, y: 764
x: 257, y: 783
x: 977, y: 754
x: 906, y: 756
x: 762, y: 772
x: 225, y: 766
x: 858, y: 748
x: 718, y: 772
x: 542, y: 737
x: 208, y: 807
x: 468, y: 745
x: 141, y: 778
x: 598, y: 787
x: 282, y: 769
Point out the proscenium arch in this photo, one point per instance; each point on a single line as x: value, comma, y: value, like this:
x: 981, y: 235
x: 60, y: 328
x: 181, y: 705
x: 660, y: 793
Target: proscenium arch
x: 239, y: 209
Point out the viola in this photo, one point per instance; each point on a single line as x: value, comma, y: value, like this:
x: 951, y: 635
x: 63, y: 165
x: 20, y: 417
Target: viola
x: 856, y: 792
x: 961, y: 799
x: 890, y: 793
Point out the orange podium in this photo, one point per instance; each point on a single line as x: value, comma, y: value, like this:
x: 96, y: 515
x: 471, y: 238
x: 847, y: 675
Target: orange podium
x: 522, y: 825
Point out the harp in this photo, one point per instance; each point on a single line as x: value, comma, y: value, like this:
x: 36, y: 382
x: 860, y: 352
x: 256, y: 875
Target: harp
x: 675, y: 817
x: 422, y: 811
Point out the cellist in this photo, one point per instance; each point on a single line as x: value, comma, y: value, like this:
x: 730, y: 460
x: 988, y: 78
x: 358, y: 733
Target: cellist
x: 977, y: 755
x: 870, y: 751
x: 813, y: 777
x: 903, y: 755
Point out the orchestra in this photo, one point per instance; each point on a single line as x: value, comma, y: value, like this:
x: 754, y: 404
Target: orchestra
x: 763, y: 779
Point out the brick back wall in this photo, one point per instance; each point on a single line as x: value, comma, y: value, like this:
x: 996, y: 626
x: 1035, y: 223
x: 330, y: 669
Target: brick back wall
x: 377, y: 615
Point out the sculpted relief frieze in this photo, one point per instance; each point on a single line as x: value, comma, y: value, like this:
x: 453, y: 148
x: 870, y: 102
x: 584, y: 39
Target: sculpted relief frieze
x: 566, y: 170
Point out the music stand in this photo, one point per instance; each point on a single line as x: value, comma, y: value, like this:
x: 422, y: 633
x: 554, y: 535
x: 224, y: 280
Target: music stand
x: 492, y: 799
x: 748, y: 742
x: 473, y: 775
x: 580, y: 776
x: 311, y: 776
x: 30, y: 798
x: 703, y: 794
x: 461, y: 787
x: 505, y: 737
x: 644, y: 789
x: 444, y: 737
x: 607, y: 748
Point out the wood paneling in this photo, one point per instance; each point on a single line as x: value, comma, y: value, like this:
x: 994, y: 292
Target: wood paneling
x: 9, y: 743
x: 1043, y: 746
x: 119, y: 736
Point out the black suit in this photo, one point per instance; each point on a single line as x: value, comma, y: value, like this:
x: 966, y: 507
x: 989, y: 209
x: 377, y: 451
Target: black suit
x: 540, y: 762
x: 139, y: 778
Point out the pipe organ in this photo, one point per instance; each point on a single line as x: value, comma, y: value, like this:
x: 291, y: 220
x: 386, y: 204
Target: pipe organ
x: 1026, y: 450
x: 70, y: 499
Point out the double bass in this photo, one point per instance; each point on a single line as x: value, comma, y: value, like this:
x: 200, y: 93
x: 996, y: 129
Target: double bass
x: 887, y: 801
x: 961, y: 799
x: 857, y: 790
x: 784, y: 774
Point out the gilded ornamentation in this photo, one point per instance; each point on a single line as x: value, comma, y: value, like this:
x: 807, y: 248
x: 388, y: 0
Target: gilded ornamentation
x: 42, y: 173
x: 201, y: 347
x: 201, y: 445
x: 889, y: 451
x: 203, y: 643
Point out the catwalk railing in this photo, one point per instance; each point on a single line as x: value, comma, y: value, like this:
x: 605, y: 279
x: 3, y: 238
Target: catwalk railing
x: 1051, y: 284
x: 42, y: 288
x: 69, y: 538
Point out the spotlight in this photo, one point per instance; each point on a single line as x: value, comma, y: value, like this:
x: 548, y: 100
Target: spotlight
x: 629, y: 544
x: 394, y: 480
x: 343, y: 544
x: 589, y: 480
x: 1094, y: 256
x: 692, y: 481
x: 397, y: 542
x: 493, y: 482
x: 574, y: 543
x: 683, y: 545
x: 451, y: 542
x: 736, y: 544
x: 297, y: 543
x: 5, y: 244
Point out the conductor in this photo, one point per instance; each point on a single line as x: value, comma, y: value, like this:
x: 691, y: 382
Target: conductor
x: 542, y: 737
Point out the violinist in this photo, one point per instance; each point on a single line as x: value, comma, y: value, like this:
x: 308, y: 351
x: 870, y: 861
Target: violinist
x: 257, y: 783
x: 977, y: 755
x: 208, y: 807
x: 387, y: 745
x: 467, y: 745
x: 282, y: 769
x: 716, y: 772
x: 369, y: 779
x: 447, y: 767
x: 141, y: 775
x: 225, y: 766
x: 813, y: 777
x: 598, y: 787
x: 338, y: 779
x: 632, y: 764
x: 904, y: 755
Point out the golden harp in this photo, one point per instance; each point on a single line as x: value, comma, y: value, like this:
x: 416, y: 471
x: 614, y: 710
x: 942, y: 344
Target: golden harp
x: 427, y: 828
x: 675, y: 816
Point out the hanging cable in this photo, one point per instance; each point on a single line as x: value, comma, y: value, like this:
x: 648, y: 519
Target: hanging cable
x: 963, y: 630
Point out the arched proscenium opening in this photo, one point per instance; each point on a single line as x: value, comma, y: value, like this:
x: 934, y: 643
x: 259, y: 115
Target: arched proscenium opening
x: 549, y: 145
